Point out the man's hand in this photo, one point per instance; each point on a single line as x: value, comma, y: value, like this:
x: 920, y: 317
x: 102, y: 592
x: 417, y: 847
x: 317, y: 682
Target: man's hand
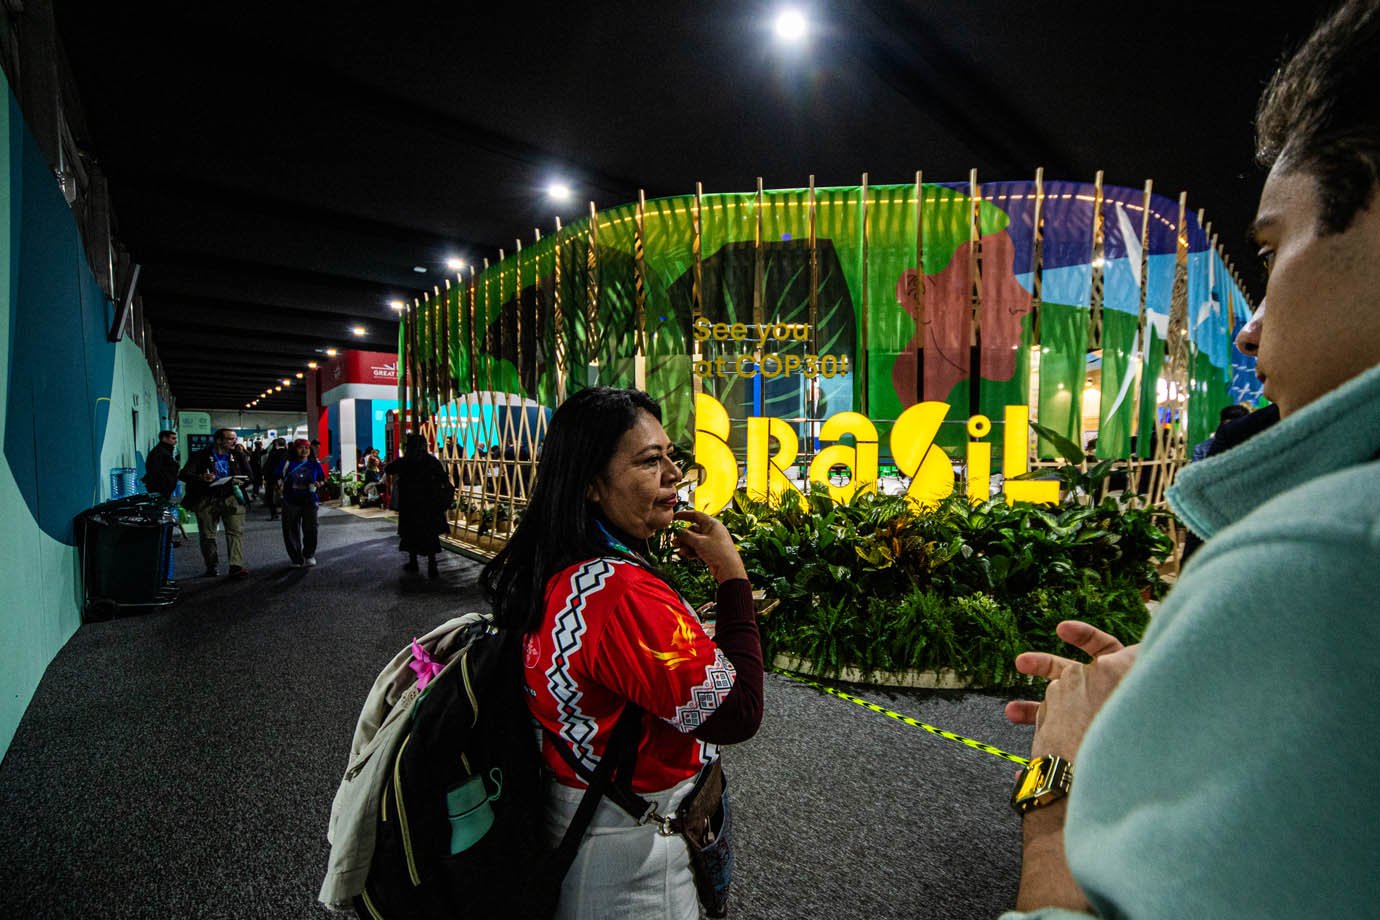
x: 1076, y: 691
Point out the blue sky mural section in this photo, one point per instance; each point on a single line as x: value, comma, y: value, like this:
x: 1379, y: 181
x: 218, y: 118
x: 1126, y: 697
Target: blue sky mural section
x: 60, y: 364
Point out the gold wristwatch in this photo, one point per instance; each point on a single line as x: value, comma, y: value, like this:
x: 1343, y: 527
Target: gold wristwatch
x: 1043, y: 782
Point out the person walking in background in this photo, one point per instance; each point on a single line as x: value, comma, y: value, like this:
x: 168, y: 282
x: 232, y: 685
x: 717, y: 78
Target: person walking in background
x: 277, y: 453
x: 298, y: 478
x: 216, y: 477
x: 373, y: 478
x: 256, y: 466
x: 1228, y: 414
x: 160, y: 466
x: 423, y: 494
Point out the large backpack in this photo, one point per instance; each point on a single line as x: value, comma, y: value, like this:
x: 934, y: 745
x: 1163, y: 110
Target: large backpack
x: 450, y: 784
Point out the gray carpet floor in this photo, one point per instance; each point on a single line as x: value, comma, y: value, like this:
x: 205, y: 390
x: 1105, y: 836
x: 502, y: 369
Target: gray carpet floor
x: 180, y: 763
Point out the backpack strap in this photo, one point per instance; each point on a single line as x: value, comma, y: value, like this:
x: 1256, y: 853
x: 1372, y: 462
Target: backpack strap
x: 601, y: 781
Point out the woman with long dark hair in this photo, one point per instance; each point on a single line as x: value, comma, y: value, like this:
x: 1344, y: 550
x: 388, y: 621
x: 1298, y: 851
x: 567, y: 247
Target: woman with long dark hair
x: 605, y: 632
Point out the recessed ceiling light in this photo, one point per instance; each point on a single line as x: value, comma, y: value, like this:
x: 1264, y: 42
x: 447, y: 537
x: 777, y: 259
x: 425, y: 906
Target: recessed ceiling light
x: 278, y: 389
x: 791, y: 25
x: 300, y: 375
x: 455, y: 265
x: 397, y: 305
x: 359, y: 330
x: 287, y: 382
x: 420, y: 269
x: 331, y: 352
x: 558, y: 191
x: 311, y: 364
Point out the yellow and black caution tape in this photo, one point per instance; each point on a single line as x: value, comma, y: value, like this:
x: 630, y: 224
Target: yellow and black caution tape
x: 913, y: 723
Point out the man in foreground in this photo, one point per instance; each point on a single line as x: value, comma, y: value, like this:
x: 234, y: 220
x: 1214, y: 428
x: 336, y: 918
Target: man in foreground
x: 1228, y: 769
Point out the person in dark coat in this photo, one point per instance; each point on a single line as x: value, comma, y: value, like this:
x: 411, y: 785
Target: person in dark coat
x: 424, y: 493
x: 160, y: 466
x: 275, y: 457
x: 256, y: 466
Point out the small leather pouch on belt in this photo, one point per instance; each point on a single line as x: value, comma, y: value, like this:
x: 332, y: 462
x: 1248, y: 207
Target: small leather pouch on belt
x: 703, y: 820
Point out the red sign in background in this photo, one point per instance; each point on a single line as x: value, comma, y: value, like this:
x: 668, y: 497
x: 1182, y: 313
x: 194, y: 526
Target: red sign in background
x: 373, y: 367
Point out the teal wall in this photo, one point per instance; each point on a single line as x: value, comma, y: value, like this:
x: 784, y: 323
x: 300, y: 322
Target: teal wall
x: 68, y: 404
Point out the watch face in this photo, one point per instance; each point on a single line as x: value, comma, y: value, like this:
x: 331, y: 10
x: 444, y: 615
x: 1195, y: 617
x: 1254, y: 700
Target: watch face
x: 1045, y: 780
x: 1035, y: 779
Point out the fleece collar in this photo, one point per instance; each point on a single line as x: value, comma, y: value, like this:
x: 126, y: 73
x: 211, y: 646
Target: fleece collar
x: 1336, y: 431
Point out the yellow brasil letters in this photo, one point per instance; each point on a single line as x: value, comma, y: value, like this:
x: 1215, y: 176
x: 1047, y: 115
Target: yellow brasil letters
x: 913, y: 448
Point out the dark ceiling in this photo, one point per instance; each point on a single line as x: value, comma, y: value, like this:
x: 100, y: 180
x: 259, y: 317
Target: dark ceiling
x: 279, y: 169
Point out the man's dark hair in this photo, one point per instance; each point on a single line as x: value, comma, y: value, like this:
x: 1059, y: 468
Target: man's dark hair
x: 1319, y: 114
x: 1229, y: 412
x: 222, y: 432
x: 559, y: 527
x: 165, y: 433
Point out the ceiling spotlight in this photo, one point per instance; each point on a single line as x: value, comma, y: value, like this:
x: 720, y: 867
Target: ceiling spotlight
x: 419, y: 269
x: 558, y: 191
x: 791, y: 25
x: 331, y: 352
x: 287, y: 382
x: 455, y: 265
x: 311, y: 364
x: 357, y: 330
x: 300, y: 375
x: 278, y: 388
x: 397, y: 305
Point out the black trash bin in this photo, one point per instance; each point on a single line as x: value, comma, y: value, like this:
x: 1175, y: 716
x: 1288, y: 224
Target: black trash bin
x: 126, y: 550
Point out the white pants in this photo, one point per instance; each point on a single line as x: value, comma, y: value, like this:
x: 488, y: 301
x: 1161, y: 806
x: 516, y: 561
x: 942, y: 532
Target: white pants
x: 623, y: 871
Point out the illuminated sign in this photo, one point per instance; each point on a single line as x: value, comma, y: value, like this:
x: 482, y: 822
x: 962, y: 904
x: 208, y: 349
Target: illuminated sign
x: 928, y: 466
x: 766, y: 364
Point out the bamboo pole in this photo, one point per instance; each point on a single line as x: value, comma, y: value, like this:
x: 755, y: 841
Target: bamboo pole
x: 758, y: 266
x: 433, y: 324
x: 448, y: 363
x: 545, y: 324
x: 414, y: 369
x: 920, y: 286
x: 1140, y: 355
x: 558, y: 317
x: 640, y: 271
x: 517, y: 316
x: 1037, y: 256
x: 592, y: 295
x: 523, y: 434
x: 487, y: 425
x: 1096, y: 260
x: 1167, y: 447
x: 974, y: 293
x: 864, y: 323
x: 814, y: 319
x: 640, y: 292
x: 474, y: 427
x: 503, y: 484
x: 697, y: 285
x: 403, y: 352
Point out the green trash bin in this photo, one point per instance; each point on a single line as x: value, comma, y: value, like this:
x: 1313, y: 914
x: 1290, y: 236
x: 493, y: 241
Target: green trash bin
x: 126, y: 548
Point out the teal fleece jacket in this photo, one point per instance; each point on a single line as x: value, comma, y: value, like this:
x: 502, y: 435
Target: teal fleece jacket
x: 1234, y: 771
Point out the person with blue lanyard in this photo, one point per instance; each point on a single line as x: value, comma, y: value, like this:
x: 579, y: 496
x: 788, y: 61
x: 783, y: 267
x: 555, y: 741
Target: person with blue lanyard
x: 298, y: 477
x: 215, y: 477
